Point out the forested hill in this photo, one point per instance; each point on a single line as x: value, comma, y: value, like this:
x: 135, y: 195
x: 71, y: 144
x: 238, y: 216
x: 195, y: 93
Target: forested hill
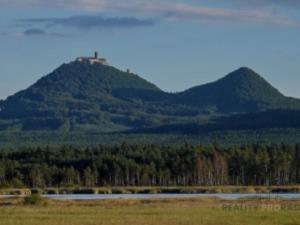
x: 86, y: 97
x: 76, y: 95
x: 240, y: 91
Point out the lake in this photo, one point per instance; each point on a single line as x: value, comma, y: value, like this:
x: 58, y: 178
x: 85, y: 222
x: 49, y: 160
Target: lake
x: 286, y: 196
x: 289, y: 196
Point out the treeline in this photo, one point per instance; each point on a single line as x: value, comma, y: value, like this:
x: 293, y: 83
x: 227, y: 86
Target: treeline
x: 150, y: 165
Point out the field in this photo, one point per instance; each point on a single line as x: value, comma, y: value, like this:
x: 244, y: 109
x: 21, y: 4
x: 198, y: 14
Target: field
x: 202, y: 211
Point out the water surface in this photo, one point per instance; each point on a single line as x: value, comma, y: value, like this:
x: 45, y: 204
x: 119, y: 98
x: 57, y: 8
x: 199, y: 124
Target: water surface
x: 289, y: 196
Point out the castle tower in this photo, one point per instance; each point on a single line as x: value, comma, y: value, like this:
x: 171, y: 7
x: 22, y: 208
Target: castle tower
x: 93, y: 60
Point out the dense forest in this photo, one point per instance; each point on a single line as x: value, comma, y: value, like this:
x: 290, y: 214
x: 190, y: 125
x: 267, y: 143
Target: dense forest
x: 276, y: 119
x: 144, y: 165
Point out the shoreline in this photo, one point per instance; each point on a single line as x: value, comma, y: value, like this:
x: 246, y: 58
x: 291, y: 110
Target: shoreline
x: 152, y: 190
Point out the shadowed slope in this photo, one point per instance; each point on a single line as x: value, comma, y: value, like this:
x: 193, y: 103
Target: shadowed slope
x: 240, y: 91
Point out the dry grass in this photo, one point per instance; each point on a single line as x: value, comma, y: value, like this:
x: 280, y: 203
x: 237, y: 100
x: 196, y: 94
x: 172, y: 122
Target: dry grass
x: 202, y: 211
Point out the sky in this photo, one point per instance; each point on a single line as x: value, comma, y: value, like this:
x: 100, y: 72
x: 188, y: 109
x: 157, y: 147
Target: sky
x: 174, y: 44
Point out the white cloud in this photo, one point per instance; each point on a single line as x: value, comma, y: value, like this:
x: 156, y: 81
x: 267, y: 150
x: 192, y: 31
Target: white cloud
x: 179, y: 11
x: 272, y: 3
x: 169, y: 10
x: 86, y: 22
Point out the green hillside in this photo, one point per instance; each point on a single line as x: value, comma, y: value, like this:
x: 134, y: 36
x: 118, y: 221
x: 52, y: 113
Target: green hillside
x: 75, y: 94
x: 86, y: 97
x: 82, y: 97
x: 240, y: 91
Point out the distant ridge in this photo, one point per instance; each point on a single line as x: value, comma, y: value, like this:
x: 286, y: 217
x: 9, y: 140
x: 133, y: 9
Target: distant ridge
x: 94, y: 97
x: 242, y: 90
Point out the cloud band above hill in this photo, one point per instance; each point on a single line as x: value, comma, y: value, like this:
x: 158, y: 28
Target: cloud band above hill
x: 142, y: 13
x: 91, y: 22
x: 159, y: 10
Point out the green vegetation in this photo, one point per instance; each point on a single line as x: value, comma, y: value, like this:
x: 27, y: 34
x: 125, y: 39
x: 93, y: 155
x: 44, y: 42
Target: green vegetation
x: 202, y: 211
x: 85, y: 104
x: 91, y: 108
x: 80, y: 96
x: 34, y: 199
x: 260, y: 121
x: 13, y: 140
x: 240, y: 91
x: 154, y: 190
x: 150, y: 165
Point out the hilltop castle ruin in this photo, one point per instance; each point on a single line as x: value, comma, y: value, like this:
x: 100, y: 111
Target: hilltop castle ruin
x: 93, y: 60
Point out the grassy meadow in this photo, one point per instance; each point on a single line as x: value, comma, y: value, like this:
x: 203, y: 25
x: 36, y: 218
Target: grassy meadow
x: 202, y: 211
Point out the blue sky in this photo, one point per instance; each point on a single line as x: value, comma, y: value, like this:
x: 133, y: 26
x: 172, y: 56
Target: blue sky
x: 174, y: 44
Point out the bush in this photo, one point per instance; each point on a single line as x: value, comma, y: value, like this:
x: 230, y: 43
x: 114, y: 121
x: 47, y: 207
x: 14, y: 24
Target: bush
x: 228, y: 190
x: 134, y: 190
x: 36, y: 191
x: 171, y: 190
x: 201, y: 190
x: 188, y: 190
x: 214, y: 190
x: 250, y: 190
x: 104, y: 191
x: 65, y: 191
x: 34, y: 199
x: 51, y: 191
x: 121, y: 191
x: 15, y: 192
x: 285, y: 190
x: 262, y: 190
x: 150, y: 191
x: 85, y: 191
